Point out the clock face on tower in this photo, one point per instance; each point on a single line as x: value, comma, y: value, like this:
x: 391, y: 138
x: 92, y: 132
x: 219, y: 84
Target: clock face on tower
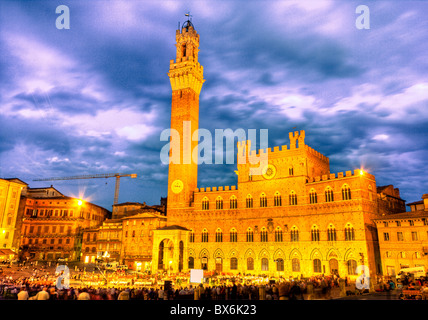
x: 269, y: 171
x: 177, y: 186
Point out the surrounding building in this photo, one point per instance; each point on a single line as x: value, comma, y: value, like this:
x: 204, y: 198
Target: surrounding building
x: 403, y: 238
x: 10, y: 194
x: 292, y: 217
x: 127, y: 237
x: 52, y: 224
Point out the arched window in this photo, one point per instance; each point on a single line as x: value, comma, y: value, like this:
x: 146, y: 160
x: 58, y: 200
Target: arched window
x: 233, y: 202
x: 352, y: 267
x: 315, y: 234
x: 313, y: 196
x: 294, y: 234
x: 191, y: 263
x: 329, y: 195
x: 346, y: 192
x: 317, y: 265
x: 263, y: 200
x: 349, y: 233
x: 293, y: 198
x: 249, y: 201
x: 233, y: 235
x: 295, y: 265
x: 331, y: 233
x: 278, y: 234
x: 263, y: 235
x: 250, y: 235
x: 279, y: 264
x: 205, y: 235
x: 233, y: 263
x: 277, y: 201
x: 218, y: 235
x: 250, y: 263
x: 219, y: 203
x: 205, y: 204
x: 265, y: 264
x: 87, y: 249
x: 192, y: 236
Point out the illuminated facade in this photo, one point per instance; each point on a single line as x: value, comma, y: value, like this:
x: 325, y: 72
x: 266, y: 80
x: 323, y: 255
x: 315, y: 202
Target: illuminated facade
x: 292, y: 218
x: 52, y: 225
x: 126, y: 238
x: 10, y: 194
x: 403, y: 238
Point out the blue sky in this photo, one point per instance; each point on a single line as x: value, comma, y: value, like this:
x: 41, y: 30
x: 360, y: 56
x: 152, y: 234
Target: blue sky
x: 94, y: 99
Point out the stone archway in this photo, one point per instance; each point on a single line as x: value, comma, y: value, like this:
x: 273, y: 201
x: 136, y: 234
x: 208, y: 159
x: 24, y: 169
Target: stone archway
x: 165, y: 254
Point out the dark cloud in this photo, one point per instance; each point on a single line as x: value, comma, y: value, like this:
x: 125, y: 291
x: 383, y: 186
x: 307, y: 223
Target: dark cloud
x: 100, y: 103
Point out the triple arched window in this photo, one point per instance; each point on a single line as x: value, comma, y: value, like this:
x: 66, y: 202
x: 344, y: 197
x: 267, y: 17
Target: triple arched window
x: 263, y: 235
x: 233, y: 235
x: 293, y: 198
x: 313, y: 196
x: 346, y: 192
x: 349, y: 232
x: 250, y: 235
x: 205, y: 204
x: 233, y: 202
x: 249, y: 201
x: 294, y: 234
x: 331, y: 233
x: 218, y: 235
x: 205, y: 235
x: 315, y: 234
x: 329, y: 194
x: 263, y: 200
x: 277, y: 201
x: 219, y: 203
x: 278, y: 235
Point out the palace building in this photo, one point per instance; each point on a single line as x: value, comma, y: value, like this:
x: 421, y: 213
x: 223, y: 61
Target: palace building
x: 52, y: 224
x: 10, y: 194
x: 403, y: 238
x: 293, y: 218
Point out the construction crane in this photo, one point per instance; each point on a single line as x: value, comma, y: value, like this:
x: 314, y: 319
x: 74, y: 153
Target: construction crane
x: 107, y: 175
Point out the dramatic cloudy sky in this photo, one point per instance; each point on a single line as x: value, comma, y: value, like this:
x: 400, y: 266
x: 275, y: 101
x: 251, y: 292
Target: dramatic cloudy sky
x: 95, y: 98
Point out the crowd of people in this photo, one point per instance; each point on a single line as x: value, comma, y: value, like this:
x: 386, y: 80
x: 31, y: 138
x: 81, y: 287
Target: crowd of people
x: 40, y: 284
x: 86, y: 286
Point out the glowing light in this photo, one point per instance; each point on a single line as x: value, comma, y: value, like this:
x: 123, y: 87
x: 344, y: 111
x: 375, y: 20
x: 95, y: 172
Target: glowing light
x: 80, y: 202
x: 361, y: 172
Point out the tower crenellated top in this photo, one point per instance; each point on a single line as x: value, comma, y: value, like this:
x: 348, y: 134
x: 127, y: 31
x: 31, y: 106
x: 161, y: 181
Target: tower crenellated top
x: 186, y: 72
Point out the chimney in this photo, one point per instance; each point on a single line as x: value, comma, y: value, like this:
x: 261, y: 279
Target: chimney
x: 425, y: 197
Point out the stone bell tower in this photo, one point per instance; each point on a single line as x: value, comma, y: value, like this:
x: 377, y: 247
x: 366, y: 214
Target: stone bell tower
x: 186, y: 77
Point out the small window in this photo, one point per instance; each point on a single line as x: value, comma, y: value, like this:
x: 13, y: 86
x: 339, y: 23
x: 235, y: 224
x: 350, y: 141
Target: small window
x: 205, y: 204
x: 263, y: 235
x: 346, y: 193
x: 233, y: 235
x: 249, y: 201
x: 263, y: 200
x: 313, y: 197
x: 219, y: 203
x: 277, y: 201
x: 329, y: 195
x: 233, y: 202
x: 293, y: 198
x: 250, y: 235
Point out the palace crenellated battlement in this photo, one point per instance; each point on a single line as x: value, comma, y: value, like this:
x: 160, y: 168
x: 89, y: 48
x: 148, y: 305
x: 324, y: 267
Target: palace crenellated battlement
x: 340, y: 175
x: 216, y: 189
x: 296, y: 143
